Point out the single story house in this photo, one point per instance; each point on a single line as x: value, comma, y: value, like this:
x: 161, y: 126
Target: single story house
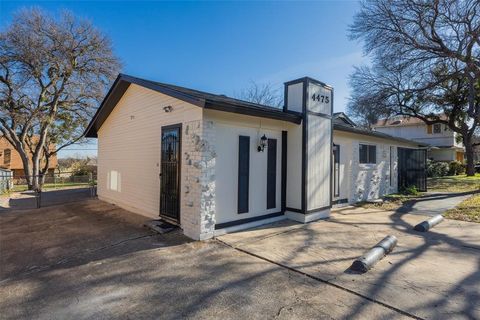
x: 213, y: 164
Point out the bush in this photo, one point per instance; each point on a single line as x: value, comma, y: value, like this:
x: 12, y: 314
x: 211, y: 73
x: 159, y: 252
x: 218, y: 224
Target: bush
x: 437, y: 169
x: 412, y: 191
x: 456, y: 168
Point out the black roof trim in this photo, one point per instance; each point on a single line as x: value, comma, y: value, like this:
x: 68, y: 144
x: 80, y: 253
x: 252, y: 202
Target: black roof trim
x: 195, y: 97
x: 342, y: 116
x: 307, y: 79
x: 376, y: 134
x: 272, y: 113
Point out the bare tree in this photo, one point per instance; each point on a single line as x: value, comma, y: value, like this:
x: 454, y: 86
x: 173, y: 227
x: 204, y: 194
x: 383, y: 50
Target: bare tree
x: 53, y: 73
x: 426, y: 62
x: 263, y: 94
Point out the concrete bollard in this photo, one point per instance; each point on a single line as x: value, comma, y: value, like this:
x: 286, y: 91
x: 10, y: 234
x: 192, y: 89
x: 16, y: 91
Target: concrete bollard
x: 366, y: 262
x: 426, y: 225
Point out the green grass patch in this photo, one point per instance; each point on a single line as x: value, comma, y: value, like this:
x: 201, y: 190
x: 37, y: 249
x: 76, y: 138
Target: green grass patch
x: 391, y: 202
x: 47, y: 186
x: 467, y: 210
x: 460, y: 183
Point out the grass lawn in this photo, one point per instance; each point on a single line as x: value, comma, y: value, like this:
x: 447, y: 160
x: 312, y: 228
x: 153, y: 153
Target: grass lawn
x: 390, y: 202
x: 468, y: 210
x: 460, y: 183
x: 20, y: 188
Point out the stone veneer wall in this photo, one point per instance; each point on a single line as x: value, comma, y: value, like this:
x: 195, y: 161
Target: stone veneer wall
x: 198, y: 177
x: 372, y: 181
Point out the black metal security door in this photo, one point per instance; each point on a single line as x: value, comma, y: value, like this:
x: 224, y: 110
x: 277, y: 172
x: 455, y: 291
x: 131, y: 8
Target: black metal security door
x: 170, y: 173
x: 412, y: 164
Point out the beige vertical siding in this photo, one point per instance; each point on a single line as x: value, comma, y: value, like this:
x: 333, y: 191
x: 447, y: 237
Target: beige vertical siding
x: 319, y: 161
x: 294, y: 167
x: 129, y: 148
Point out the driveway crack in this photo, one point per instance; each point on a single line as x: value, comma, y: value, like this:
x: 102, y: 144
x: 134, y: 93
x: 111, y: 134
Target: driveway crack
x: 328, y: 282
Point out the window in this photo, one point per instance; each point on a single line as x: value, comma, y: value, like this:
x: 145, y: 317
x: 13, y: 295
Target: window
x: 336, y: 170
x: 368, y: 153
x: 7, y: 154
x: 429, y: 129
x: 437, y: 128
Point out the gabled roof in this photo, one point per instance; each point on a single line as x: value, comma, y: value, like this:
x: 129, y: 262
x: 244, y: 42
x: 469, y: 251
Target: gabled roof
x: 199, y: 98
x: 403, y: 121
x: 342, y: 118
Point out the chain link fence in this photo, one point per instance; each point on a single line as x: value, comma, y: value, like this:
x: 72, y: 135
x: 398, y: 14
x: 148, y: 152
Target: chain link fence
x: 56, y: 188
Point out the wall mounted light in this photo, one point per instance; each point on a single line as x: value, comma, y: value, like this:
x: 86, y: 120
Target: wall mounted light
x: 262, y: 144
x: 168, y: 109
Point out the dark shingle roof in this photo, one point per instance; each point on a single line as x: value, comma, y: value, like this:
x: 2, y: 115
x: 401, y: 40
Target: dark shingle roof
x: 199, y: 98
x: 358, y: 130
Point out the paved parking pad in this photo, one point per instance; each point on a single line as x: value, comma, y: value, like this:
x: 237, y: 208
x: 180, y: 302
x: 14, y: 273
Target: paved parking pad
x: 428, y: 275
x: 92, y: 260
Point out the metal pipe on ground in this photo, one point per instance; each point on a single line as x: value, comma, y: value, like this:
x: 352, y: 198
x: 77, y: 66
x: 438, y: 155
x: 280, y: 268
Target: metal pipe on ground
x: 426, y: 225
x: 370, y: 258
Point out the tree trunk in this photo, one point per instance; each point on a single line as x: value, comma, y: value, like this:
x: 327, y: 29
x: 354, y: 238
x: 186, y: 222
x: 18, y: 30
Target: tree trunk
x: 470, y: 169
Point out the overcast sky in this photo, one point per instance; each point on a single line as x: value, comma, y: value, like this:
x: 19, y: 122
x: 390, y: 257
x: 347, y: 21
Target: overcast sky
x: 221, y: 47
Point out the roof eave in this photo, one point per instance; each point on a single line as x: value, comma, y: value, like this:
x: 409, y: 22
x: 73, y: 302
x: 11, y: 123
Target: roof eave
x: 116, y: 91
x: 376, y: 135
x: 256, y: 112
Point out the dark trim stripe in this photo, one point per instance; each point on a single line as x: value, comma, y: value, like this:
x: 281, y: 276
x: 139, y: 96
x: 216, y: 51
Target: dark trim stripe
x: 340, y: 201
x: 289, y: 116
x: 284, y: 170
x: 319, y: 209
x: 293, y: 210
x: 247, y: 220
x: 272, y: 173
x: 304, y: 146
x: 243, y: 173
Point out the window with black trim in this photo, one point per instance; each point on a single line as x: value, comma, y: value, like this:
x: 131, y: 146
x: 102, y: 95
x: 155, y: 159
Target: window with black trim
x: 437, y: 128
x: 368, y: 153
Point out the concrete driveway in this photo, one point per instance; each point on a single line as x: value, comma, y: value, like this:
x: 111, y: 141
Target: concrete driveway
x: 434, y: 275
x: 92, y: 260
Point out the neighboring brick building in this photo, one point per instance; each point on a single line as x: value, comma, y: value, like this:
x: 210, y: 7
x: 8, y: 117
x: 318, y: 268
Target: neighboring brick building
x: 10, y: 159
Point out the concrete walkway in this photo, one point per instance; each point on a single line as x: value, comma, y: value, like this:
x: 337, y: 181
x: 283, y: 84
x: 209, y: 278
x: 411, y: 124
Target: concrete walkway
x: 434, y: 203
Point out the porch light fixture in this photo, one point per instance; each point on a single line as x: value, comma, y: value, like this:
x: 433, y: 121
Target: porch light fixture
x: 262, y: 143
x: 168, y: 109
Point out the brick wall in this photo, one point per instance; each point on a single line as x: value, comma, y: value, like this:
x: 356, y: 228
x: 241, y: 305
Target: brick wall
x: 198, y: 204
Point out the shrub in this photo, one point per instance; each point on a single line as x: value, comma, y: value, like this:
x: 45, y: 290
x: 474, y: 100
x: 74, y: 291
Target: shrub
x: 456, y: 168
x: 411, y: 190
x: 437, y: 169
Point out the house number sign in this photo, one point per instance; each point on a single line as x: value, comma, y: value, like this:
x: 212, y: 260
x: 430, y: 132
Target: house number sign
x: 320, y: 99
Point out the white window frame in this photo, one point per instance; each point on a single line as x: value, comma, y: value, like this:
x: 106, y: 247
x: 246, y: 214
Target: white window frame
x: 368, y: 164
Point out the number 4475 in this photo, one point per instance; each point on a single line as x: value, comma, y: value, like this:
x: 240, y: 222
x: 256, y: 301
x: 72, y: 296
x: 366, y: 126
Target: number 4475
x: 320, y: 98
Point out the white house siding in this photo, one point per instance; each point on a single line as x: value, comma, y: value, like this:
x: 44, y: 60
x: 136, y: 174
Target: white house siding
x: 129, y: 153
x: 294, y: 167
x: 228, y: 127
x: 442, y: 154
x: 360, y: 182
x: 418, y: 132
x: 319, y: 162
x: 295, y: 97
